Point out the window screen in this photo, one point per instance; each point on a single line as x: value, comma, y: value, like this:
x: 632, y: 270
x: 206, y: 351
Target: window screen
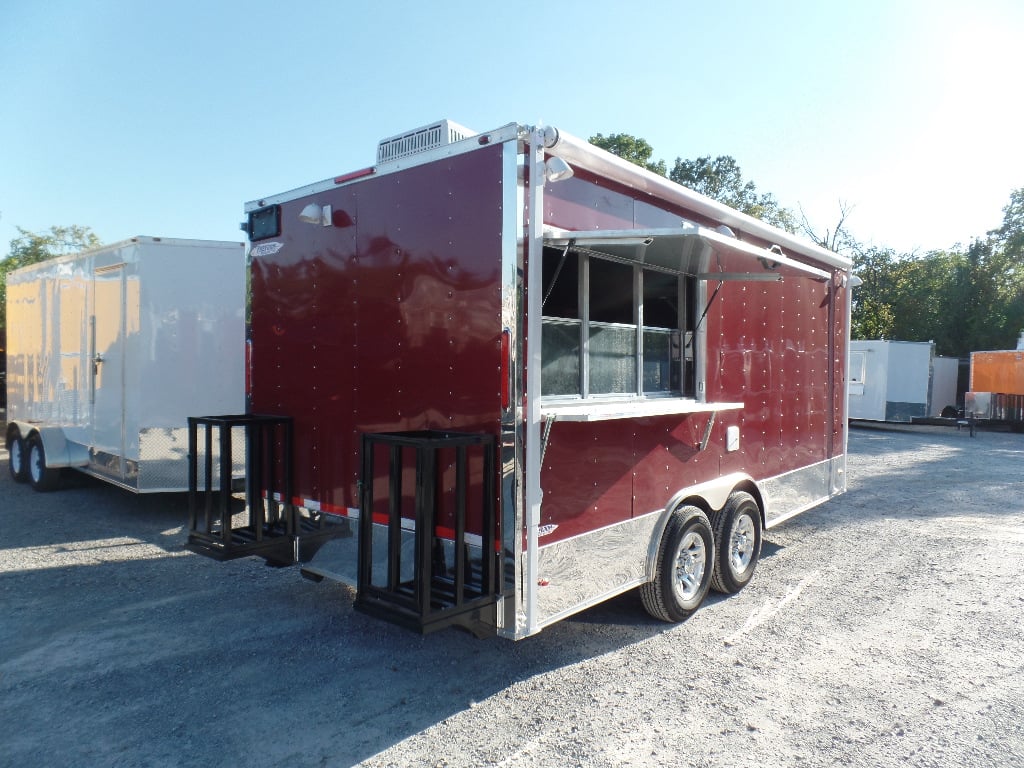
x: 612, y: 328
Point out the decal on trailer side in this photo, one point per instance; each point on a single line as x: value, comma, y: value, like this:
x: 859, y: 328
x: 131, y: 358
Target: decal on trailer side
x: 266, y: 249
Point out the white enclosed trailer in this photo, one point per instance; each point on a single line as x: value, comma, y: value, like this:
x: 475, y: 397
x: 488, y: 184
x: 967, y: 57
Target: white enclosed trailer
x: 899, y: 380
x: 109, y: 351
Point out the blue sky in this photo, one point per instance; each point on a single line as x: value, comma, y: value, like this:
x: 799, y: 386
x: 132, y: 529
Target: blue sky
x: 164, y: 118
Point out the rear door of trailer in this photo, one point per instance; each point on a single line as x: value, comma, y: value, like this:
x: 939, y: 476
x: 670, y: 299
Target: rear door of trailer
x: 107, y: 357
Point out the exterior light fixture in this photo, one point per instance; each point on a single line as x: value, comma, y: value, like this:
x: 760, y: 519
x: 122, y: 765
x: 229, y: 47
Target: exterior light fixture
x: 315, y: 214
x: 312, y: 214
x: 556, y: 169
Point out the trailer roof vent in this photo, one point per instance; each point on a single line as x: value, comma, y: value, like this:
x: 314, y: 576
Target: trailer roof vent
x: 431, y: 136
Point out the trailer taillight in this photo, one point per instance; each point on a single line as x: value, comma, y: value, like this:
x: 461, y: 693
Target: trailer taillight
x: 506, y: 369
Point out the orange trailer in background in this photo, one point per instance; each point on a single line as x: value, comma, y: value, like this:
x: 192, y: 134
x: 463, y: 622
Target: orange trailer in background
x: 997, y: 386
x: 998, y: 372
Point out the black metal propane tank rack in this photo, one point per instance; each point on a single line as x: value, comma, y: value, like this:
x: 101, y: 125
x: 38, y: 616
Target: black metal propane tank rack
x: 264, y: 522
x: 411, y: 571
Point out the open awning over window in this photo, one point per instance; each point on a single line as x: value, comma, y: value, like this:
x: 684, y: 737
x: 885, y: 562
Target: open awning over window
x: 689, y: 249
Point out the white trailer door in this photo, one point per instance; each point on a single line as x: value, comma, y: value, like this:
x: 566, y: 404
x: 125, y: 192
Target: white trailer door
x: 107, y: 332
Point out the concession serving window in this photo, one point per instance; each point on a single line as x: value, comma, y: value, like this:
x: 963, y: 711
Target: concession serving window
x: 622, y: 312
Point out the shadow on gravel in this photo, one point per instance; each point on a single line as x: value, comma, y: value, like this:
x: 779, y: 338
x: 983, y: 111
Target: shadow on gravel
x: 149, y: 654
x: 185, y: 661
x: 936, y: 472
x: 171, y: 658
x: 84, y: 508
x: 166, y: 657
x: 770, y: 548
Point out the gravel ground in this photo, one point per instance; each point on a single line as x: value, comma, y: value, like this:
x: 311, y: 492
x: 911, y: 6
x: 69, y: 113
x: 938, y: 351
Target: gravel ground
x: 881, y: 629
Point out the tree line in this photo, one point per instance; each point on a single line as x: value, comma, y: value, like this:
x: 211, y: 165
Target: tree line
x: 965, y: 299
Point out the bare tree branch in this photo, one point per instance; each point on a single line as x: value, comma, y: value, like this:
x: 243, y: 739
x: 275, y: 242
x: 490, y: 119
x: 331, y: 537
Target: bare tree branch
x: 833, y: 239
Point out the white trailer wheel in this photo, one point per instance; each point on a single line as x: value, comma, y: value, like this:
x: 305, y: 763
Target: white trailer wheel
x: 41, y: 477
x: 685, y: 564
x: 16, y: 461
x: 737, y: 529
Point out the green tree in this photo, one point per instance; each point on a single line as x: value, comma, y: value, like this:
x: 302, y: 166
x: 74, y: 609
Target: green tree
x: 874, y: 315
x: 983, y: 308
x: 959, y: 298
x: 1008, y: 261
x: 33, y: 247
x: 1011, y: 234
x: 631, y: 148
x: 721, y: 178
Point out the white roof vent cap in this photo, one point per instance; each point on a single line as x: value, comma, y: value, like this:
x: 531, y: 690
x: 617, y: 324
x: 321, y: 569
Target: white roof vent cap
x: 437, y: 134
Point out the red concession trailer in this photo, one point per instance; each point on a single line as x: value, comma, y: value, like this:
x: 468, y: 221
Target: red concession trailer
x: 522, y: 376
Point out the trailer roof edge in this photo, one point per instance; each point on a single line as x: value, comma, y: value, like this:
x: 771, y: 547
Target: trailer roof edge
x: 127, y: 243
x: 583, y: 154
x: 507, y: 132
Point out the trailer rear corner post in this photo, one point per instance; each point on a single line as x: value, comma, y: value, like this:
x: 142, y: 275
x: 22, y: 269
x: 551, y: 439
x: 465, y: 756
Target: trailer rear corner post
x: 541, y: 139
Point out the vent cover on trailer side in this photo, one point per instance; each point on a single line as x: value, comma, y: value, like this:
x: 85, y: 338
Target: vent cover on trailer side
x: 431, y: 136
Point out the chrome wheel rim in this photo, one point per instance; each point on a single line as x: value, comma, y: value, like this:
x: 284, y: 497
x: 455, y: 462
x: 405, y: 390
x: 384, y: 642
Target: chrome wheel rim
x: 35, y: 463
x: 16, y: 457
x: 741, y: 543
x: 691, y: 561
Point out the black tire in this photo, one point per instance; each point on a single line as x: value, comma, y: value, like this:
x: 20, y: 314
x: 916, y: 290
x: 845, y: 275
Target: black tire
x: 737, y: 528
x: 41, y: 477
x: 683, y: 570
x: 17, y: 459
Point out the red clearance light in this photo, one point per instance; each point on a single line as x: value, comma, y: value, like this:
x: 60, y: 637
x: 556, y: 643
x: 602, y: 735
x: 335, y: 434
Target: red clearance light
x: 355, y: 175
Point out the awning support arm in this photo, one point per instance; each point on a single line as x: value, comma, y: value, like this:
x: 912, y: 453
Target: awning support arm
x: 558, y: 271
x: 704, y: 314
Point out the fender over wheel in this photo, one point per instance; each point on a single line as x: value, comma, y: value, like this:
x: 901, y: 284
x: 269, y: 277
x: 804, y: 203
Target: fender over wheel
x: 17, y: 461
x: 683, y: 571
x: 41, y: 477
x: 737, y: 528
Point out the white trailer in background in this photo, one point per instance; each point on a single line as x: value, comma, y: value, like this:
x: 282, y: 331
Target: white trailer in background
x: 900, y: 380
x: 109, y: 351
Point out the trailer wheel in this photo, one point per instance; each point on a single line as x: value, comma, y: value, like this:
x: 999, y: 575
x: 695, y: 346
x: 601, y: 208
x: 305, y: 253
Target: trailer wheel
x: 41, y: 477
x: 16, y: 460
x: 683, y: 571
x: 737, y: 529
